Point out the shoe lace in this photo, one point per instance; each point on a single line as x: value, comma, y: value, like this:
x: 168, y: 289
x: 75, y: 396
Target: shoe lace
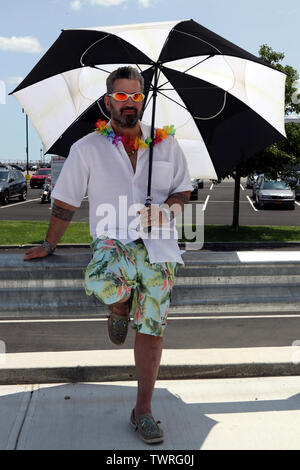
x: 148, y: 424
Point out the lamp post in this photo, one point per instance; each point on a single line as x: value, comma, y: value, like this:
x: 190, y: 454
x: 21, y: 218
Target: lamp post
x: 27, y: 164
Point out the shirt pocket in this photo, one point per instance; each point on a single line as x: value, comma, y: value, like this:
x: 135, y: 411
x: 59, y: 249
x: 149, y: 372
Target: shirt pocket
x: 162, y: 174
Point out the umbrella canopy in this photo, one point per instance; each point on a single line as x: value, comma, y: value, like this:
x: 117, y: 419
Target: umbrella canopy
x: 225, y: 103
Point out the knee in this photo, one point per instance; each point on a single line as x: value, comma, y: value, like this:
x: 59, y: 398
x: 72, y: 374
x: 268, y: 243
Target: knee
x: 151, y: 340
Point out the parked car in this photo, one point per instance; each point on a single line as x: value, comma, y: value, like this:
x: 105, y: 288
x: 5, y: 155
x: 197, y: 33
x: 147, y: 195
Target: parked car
x: 274, y: 192
x: 251, y: 180
x: 199, y: 182
x: 256, y: 183
x: 297, y: 190
x: 38, y: 179
x: 18, y: 167
x: 194, y: 193
x: 293, y: 181
x: 12, y: 184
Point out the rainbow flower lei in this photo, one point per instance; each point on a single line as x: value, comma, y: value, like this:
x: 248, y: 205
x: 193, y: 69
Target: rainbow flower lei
x: 135, y: 143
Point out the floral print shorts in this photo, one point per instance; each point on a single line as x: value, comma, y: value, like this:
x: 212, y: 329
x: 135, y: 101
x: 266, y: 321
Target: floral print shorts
x: 116, y: 269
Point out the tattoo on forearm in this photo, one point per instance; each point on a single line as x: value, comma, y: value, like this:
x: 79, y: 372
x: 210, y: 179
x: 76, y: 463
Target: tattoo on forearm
x: 62, y: 213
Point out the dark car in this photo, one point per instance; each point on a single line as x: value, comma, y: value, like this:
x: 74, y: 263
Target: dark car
x: 37, y: 180
x: 200, y: 182
x: 251, y: 180
x: 194, y: 193
x: 293, y: 180
x: 18, y: 167
x: 12, y: 184
x: 297, y: 190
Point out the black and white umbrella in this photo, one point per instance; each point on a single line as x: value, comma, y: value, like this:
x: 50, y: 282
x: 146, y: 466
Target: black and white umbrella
x: 225, y: 103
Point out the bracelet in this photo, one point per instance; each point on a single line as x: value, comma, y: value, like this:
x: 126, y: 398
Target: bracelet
x: 48, y: 247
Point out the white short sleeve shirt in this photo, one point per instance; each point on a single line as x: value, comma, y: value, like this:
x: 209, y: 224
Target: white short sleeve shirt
x: 115, y: 192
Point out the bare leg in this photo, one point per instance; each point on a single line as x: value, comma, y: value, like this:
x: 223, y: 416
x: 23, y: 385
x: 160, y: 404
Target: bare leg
x: 121, y: 308
x: 147, y: 354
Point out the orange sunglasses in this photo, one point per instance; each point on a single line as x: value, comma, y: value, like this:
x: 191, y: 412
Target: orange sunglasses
x: 122, y: 96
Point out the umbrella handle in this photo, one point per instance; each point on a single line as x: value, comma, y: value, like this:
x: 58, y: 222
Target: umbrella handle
x: 148, y: 204
x: 154, y: 95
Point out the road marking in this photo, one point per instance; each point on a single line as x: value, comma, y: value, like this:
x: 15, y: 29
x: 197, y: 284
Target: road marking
x: 241, y: 202
x: 251, y: 202
x: 298, y: 203
x: 170, y: 317
x: 205, y: 203
x: 268, y: 256
x: 242, y: 187
x: 211, y: 186
x: 18, y: 203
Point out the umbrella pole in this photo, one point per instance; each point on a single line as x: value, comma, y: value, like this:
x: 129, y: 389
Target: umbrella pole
x: 154, y: 95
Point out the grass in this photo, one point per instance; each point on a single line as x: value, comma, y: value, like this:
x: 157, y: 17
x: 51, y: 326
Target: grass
x: 23, y: 232
x: 33, y: 232
x: 246, y: 233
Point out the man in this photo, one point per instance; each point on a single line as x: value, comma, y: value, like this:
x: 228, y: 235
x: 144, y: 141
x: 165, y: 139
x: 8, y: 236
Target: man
x: 131, y: 269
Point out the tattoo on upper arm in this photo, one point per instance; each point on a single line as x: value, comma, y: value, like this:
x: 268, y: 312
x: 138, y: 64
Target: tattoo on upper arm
x: 62, y: 213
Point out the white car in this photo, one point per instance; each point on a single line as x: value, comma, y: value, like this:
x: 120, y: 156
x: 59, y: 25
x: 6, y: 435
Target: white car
x: 274, y: 192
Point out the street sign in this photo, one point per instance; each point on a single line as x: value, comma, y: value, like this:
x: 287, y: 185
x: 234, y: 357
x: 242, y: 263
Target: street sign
x: 56, y: 166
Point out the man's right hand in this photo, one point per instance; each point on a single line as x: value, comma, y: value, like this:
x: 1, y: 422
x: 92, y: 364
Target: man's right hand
x: 35, y: 252
x: 61, y: 216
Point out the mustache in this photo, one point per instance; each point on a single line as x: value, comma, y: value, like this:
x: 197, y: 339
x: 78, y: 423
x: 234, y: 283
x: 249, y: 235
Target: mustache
x: 128, y: 108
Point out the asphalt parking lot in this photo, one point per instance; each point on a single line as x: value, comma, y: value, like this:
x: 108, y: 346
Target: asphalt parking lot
x: 215, y: 201
x: 218, y: 204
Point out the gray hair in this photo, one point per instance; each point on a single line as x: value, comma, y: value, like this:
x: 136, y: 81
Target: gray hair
x: 124, y: 72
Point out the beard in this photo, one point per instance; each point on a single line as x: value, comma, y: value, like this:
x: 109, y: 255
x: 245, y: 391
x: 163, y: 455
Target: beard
x: 125, y: 120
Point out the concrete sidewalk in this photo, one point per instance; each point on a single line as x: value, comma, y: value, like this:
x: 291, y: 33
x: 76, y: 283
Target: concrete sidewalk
x: 115, y: 365
x: 253, y: 413
x: 247, y: 398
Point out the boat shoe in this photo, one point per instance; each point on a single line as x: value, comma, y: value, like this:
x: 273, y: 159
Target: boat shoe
x: 118, y: 324
x: 148, y: 428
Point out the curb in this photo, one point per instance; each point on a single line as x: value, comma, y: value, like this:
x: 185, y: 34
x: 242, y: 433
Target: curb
x: 214, y: 246
x: 128, y: 373
x: 118, y: 365
x: 239, y: 246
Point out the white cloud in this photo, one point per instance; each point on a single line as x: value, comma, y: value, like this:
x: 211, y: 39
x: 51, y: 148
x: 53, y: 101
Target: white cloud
x: 27, y: 44
x: 107, y: 3
x: 293, y: 116
x: 76, y: 5
x: 2, y: 92
x: 144, y: 3
x: 14, y: 80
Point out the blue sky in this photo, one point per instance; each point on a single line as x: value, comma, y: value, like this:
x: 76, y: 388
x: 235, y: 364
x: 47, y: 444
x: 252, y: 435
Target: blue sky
x: 28, y: 28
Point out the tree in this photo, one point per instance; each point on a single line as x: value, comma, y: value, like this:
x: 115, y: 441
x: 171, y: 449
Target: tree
x: 292, y: 102
x: 279, y: 158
